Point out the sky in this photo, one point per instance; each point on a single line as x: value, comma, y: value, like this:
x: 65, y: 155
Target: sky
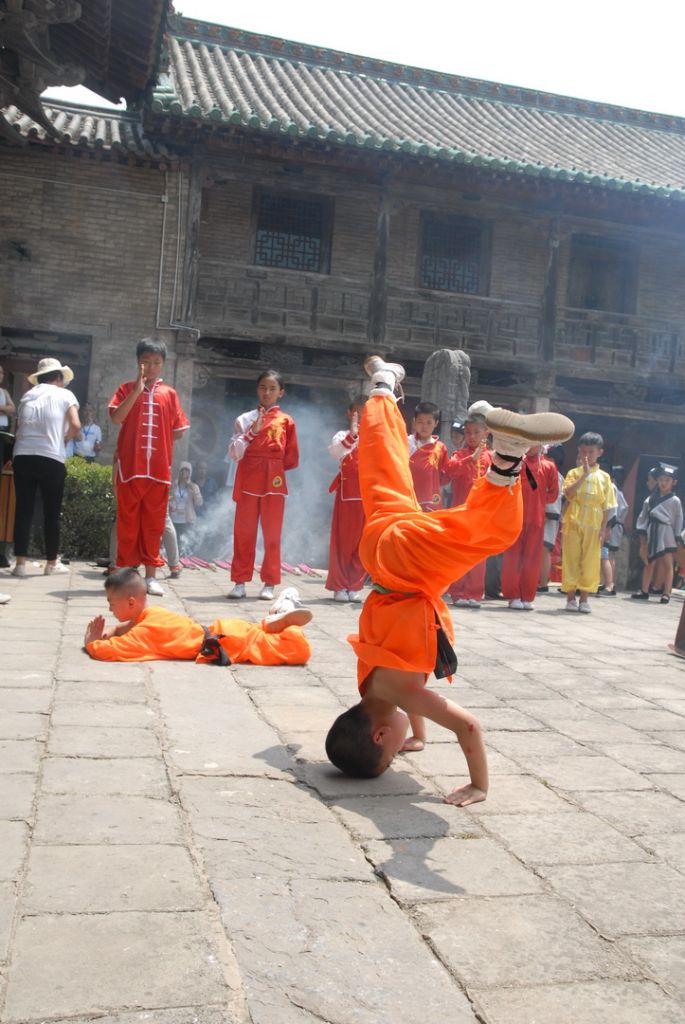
x: 614, y: 51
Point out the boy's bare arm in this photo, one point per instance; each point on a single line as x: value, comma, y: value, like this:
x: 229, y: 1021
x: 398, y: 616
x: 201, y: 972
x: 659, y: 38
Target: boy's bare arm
x: 408, y: 691
x: 119, y: 414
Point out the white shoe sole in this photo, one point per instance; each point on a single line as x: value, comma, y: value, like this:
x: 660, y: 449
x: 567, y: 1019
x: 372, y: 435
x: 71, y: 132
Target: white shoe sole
x: 536, y: 427
x: 297, y: 617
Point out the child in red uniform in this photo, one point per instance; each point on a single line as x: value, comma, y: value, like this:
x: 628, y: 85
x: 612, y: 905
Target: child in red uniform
x: 151, y: 419
x: 155, y: 634
x: 346, y: 574
x: 521, y: 562
x: 467, y: 465
x: 428, y: 457
x: 264, y: 444
x: 405, y: 628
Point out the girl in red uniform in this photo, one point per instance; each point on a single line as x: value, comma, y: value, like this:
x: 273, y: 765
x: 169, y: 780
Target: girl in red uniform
x: 264, y: 444
x: 469, y: 464
x: 346, y: 574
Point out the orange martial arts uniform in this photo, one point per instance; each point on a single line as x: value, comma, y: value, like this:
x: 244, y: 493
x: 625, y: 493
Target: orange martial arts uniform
x: 463, y: 471
x: 163, y: 635
x: 414, y: 555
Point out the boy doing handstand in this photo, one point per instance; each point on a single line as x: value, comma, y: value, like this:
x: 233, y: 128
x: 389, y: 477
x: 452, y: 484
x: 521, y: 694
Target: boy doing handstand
x: 155, y: 634
x: 412, y: 556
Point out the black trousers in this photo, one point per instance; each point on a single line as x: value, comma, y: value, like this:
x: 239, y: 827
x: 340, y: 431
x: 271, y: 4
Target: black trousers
x: 34, y: 473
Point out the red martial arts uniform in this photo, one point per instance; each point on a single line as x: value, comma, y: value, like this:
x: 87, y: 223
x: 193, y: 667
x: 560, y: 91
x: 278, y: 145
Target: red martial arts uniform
x: 428, y: 464
x: 345, y: 570
x: 463, y: 471
x: 521, y: 562
x: 145, y: 451
x: 259, y: 490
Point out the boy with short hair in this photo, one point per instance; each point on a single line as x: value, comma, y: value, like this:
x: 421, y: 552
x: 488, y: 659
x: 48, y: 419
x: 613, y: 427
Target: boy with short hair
x: 659, y: 527
x: 428, y: 457
x: 405, y: 629
x: 154, y: 634
x: 590, y: 499
x: 151, y: 419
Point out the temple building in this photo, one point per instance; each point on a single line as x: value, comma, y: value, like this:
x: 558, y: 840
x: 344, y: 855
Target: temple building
x: 264, y: 202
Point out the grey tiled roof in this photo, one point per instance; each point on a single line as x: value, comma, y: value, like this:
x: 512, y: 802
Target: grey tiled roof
x: 109, y: 130
x: 223, y: 75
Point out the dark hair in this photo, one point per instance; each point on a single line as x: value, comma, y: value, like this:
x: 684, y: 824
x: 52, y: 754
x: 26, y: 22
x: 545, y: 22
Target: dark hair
x: 429, y: 409
x: 591, y: 438
x: 557, y: 454
x: 271, y: 373
x: 125, y: 579
x: 349, y: 745
x: 457, y: 427
x: 148, y: 346
x: 47, y: 378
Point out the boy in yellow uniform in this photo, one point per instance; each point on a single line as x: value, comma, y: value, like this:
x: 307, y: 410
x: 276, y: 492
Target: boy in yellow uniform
x: 590, y: 498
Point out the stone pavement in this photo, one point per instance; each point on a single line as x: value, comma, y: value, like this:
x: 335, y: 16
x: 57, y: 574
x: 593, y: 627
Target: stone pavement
x: 175, y: 849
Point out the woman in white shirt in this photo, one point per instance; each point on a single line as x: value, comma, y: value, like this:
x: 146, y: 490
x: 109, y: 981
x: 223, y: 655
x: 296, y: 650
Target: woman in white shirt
x: 47, y: 418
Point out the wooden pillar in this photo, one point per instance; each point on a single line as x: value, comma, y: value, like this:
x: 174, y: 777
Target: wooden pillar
x: 191, y: 256
x: 548, y: 320
x: 379, y: 298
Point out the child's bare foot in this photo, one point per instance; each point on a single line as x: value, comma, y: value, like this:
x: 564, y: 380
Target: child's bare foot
x: 466, y: 795
x: 412, y: 743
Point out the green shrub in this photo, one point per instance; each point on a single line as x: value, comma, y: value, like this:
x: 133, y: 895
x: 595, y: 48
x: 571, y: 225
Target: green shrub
x: 88, y: 511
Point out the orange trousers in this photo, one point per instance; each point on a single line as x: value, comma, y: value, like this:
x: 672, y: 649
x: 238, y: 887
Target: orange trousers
x: 413, y: 554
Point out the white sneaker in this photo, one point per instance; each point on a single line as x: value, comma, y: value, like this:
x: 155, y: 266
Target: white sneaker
x: 460, y: 602
x: 481, y: 408
x: 238, y: 592
x: 19, y: 570
x: 5, y: 598
x: 154, y: 587
x: 281, y: 620
x: 385, y: 377
x: 572, y: 605
x: 473, y: 603
x: 342, y: 596
x: 517, y: 603
x: 356, y: 596
x: 266, y: 593
x: 286, y: 601
x: 528, y: 606
x: 514, y: 433
x: 584, y: 607
x: 57, y: 569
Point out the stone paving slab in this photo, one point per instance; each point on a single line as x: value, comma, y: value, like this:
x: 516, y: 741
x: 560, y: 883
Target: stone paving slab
x: 8, y: 901
x: 608, y: 1002
x: 124, y: 716
x: 114, y: 691
x: 664, y: 956
x: 96, y: 741
x: 20, y: 699
x: 562, y: 839
x: 403, y: 817
x: 470, y: 864
x: 137, y: 776
x: 118, y: 956
x: 668, y: 848
x: 24, y: 678
x: 16, y: 796
x: 13, y: 837
x: 111, y: 819
x: 333, y: 951
x: 98, y: 879
x: 518, y: 941
x: 19, y: 756
x: 589, y: 773
x: 19, y: 725
x: 623, y: 899
x: 636, y: 813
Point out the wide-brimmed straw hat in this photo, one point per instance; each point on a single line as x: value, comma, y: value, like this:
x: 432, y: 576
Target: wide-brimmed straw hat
x: 51, y: 366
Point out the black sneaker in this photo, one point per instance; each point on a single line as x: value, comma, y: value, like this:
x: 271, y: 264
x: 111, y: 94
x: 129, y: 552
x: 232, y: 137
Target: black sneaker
x: 640, y: 595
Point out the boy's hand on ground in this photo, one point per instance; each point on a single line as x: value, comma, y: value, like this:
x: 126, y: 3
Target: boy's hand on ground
x: 412, y: 743
x: 466, y: 795
x: 94, y: 630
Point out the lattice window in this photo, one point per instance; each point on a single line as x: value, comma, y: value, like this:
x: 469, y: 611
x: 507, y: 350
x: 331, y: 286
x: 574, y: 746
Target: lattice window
x: 292, y: 232
x: 602, y: 274
x: 452, y: 254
